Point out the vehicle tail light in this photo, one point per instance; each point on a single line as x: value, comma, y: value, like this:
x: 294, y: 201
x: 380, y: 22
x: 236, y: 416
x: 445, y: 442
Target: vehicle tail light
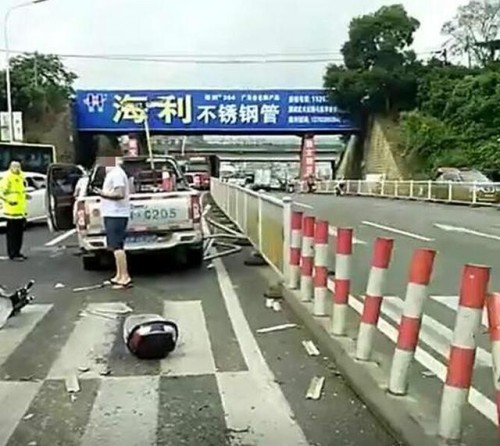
x: 82, y: 218
x: 195, y: 211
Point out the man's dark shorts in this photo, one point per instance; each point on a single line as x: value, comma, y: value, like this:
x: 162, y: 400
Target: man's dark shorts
x: 116, y: 232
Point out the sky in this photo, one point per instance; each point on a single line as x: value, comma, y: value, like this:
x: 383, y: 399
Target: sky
x: 203, y: 28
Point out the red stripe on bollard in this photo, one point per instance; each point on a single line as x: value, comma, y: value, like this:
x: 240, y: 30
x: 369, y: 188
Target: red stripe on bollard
x: 307, y: 266
x: 493, y: 307
x: 343, y: 256
x: 473, y: 289
x: 295, y: 248
x: 320, y: 307
x: 421, y: 266
x: 381, y: 258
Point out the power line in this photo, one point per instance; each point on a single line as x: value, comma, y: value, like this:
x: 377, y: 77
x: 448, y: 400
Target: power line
x: 207, y: 59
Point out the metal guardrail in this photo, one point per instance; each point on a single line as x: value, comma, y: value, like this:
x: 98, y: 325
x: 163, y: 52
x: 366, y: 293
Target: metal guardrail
x: 481, y: 194
x: 263, y: 218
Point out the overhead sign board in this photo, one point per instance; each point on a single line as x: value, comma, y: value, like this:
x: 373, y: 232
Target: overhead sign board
x: 210, y: 111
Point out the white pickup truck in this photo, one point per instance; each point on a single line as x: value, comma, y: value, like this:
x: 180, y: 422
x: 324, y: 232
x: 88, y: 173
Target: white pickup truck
x: 159, y: 221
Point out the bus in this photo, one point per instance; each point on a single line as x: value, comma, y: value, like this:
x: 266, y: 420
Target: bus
x: 33, y: 157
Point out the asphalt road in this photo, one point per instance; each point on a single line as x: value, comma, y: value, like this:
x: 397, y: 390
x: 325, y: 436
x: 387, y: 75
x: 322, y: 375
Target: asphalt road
x: 460, y: 235
x: 225, y: 384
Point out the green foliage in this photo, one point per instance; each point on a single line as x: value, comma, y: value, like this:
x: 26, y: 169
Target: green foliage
x: 379, y: 71
x: 449, y: 114
x: 40, y: 84
x: 477, y: 22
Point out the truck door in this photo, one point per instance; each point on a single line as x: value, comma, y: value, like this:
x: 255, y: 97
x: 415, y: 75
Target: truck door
x: 61, y: 185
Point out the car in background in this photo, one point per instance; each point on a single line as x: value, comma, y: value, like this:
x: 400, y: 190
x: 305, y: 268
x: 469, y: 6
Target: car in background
x: 463, y: 182
x: 36, y: 184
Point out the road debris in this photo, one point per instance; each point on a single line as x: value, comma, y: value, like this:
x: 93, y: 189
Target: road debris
x: 311, y: 349
x: 277, y: 305
x: 89, y: 288
x: 315, y: 388
x: 83, y: 369
x: 72, y: 384
x: 28, y: 417
x: 269, y: 303
x: 276, y: 328
x: 59, y: 285
x: 113, y: 308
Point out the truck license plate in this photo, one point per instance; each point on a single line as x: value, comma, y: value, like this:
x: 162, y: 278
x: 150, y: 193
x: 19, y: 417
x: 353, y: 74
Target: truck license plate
x: 155, y: 215
x: 133, y: 240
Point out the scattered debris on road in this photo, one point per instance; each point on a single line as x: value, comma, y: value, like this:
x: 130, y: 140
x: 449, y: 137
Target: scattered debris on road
x: 311, y: 349
x: 89, y: 288
x: 72, y: 384
x: 59, y: 285
x: 276, y: 328
x: 315, y: 388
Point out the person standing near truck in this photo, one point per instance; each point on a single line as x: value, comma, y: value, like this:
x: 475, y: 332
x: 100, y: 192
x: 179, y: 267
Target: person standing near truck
x: 14, y: 199
x: 115, y: 210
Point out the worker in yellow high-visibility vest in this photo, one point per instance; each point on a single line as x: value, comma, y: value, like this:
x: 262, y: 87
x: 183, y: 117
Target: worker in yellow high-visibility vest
x: 14, y: 200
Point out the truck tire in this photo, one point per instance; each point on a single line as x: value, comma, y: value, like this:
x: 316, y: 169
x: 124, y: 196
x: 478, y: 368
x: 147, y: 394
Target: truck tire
x: 195, y: 257
x: 91, y: 263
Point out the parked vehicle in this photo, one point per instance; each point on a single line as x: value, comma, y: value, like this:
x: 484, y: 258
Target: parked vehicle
x: 35, y: 186
x: 197, y: 171
x: 162, y: 218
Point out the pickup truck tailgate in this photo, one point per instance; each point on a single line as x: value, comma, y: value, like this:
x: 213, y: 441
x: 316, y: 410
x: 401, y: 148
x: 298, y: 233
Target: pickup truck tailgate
x: 168, y: 211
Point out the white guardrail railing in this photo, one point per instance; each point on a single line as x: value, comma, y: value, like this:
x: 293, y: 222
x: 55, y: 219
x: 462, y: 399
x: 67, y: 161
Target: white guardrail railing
x: 264, y: 219
x: 484, y: 194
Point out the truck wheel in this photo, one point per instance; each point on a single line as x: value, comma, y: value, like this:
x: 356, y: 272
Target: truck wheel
x: 195, y: 257
x: 91, y: 263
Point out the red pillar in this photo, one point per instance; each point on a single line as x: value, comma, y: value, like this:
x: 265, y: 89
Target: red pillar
x: 307, y: 157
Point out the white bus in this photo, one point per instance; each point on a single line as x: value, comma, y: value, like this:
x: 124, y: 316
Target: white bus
x: 33, y: 157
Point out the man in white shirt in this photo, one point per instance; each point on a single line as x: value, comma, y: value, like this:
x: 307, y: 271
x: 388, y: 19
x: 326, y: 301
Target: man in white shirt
x: 115, y: 209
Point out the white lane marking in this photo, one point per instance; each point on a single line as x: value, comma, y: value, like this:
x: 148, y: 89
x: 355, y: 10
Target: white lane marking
x: 434, y: 334
x: 91, y: 340
x: 125, y: 411
x: 450, y: 228
x: 397, y: 231
x: 279, y: 417
x: 193, y: 353
x: 61, y: 237
x: 332, y: 231
x: 479, y: 401
x: 15, y: 398
x: 17, y: 328
x: 452, y: 303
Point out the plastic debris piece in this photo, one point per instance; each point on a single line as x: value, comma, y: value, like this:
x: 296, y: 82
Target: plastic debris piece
x: 315, y: 388
x: 59, y: 285
x: 276, y: 328
x: 71, y: 383
x: 311, y: 349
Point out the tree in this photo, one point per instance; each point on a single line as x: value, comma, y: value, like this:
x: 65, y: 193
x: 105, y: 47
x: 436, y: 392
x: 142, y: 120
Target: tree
x: 40, y: 84
x: 379, y: 72
x: 476, y: 23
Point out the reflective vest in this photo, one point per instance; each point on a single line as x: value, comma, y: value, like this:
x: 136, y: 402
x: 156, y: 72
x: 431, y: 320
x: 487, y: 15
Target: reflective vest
x: 12, y: 190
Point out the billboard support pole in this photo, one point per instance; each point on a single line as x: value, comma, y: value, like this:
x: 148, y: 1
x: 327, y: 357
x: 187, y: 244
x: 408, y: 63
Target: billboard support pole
x: 148, y: 137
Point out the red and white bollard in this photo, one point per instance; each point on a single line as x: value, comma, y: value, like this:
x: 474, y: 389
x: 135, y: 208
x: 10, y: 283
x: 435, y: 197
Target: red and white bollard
x: 473, y: 291
x: 373, y: 299
x: 295, y: 249
x: 409, y: 327
x: 493, y: 306
x: 307, y: 261
x: 321, y: 306
x: 343, y: 256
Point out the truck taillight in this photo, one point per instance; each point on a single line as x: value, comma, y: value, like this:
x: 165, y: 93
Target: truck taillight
x: 81, y: 215
x: 195, y: 208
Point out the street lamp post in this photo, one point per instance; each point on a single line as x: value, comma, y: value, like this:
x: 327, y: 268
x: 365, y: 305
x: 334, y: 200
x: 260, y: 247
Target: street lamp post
x: 7, y: 61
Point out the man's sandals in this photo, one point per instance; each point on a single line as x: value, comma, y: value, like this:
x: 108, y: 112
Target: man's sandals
x: 119, y: 286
